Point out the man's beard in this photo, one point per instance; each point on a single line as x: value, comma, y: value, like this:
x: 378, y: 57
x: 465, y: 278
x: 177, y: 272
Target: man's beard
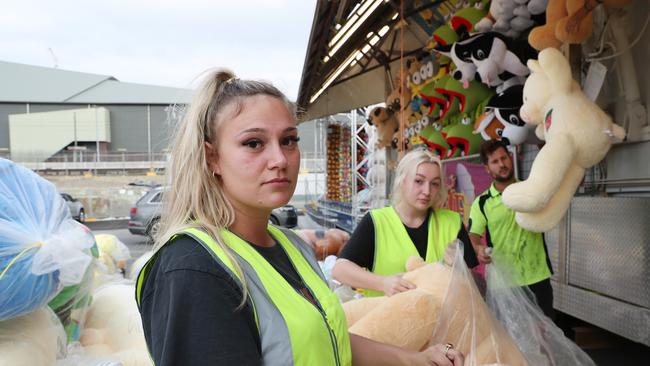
x: 506, y: 179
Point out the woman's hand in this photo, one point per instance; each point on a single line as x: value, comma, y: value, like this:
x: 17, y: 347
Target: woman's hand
x: 439, y: 355
x: 392, y: 285
x: 450, y: 254
x: 483, y: 255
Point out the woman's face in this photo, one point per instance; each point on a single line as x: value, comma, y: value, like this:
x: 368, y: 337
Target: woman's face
x: 420, y: 189
x: 257, y: 155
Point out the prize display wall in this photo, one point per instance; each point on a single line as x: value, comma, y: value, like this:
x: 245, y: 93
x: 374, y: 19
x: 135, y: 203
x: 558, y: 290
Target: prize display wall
x: 467, y: 83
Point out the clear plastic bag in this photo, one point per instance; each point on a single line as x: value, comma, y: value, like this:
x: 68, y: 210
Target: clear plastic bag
x: 72, y: 302
x: 35, y: 339
x: 466, y: 322
x: 112, y: 252
x: 42, y: 249
x: 77, y: 357
x: 113, y: 326
x: 541, y: 341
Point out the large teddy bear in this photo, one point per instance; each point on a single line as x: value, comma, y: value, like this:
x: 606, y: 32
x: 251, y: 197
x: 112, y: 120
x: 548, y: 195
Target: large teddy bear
x: 577, y: 132
x: 410, y: 319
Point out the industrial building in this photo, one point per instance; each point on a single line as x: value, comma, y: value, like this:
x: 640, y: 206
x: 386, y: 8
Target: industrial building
x: 50, y: 115
x: 60, y: 120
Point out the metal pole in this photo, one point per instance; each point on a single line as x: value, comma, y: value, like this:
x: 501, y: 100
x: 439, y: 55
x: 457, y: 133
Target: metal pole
x: 353, y: 168
x: 149, y: 137
x: 74, y: 154
x: 96, y: 140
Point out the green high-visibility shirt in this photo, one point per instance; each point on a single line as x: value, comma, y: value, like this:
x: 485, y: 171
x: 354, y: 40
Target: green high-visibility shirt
x: 524, y: 250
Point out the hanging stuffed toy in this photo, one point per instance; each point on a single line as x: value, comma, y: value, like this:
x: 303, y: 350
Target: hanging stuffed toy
x: 462, y: 101
x: 464, y: 20
x: 400, y: 91
x: 512, y: 17
x: 559, y: 15
x: 386, y: 124
x: 578, y: 135
x: 461, y: 139
x: 435, y: 141
x: 494, y: 54
x: 501, y: 119
x: 416, y: 123
x: 421, y: 69
x: 441, y: 40
x: 492, y: 59
x: 460, y: 55
x: 423, y: 73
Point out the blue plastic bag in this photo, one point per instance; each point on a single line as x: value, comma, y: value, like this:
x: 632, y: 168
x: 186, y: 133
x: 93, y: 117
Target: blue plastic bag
x: 42, y: 249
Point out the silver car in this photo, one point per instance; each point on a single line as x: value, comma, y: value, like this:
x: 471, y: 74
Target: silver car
x: 144, y: 218
x: 76, y: 208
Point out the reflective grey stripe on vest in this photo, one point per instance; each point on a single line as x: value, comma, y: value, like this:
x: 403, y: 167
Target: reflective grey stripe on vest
x: 274, y: 333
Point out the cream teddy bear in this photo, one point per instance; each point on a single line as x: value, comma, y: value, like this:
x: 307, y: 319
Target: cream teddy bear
x: 410, y: 319
x: 577, y: 132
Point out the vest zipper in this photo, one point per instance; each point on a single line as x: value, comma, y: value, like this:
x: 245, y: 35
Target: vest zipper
x: 329, y: 329
x: 322, y: 313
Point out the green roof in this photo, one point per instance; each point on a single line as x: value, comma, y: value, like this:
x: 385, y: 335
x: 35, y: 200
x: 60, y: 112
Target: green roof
x: 35, y: 84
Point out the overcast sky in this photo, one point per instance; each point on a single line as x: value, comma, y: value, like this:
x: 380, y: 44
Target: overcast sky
x: 161, y: 42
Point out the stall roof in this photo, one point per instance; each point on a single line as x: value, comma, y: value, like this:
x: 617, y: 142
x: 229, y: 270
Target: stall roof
x: 354, y: 50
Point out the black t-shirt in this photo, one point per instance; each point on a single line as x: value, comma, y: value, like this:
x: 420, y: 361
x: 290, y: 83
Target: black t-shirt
x: 360, y: 249
x: 190, y: 311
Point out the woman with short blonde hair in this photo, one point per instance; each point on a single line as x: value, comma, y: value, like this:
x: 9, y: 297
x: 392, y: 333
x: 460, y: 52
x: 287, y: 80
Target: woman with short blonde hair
x: 416, y: 224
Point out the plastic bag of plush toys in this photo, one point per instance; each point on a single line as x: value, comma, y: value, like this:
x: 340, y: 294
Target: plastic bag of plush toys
x: 42, y: 249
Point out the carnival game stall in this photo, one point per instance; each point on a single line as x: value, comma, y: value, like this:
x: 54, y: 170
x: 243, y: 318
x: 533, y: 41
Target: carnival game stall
x: 562, y: 83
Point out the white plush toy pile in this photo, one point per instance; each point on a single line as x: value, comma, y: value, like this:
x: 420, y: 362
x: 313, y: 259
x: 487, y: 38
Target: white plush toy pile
x: 113, y: 327
x: 511, y: 17
x: 35, y: 339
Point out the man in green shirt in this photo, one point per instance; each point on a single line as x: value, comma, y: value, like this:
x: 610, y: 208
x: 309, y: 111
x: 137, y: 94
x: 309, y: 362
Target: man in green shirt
x: 525, y: 250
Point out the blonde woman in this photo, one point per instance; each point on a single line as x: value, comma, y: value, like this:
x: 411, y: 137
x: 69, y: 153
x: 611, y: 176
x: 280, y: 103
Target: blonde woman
x: 415, y: 224
x: 225, y: 287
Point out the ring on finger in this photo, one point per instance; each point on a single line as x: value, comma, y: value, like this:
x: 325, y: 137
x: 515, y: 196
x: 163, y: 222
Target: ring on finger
x: 448, y: 346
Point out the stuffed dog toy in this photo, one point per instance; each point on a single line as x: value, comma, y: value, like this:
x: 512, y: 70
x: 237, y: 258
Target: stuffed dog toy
x: 386, y: 123
x: 492, y: 59
x: 501, y: 120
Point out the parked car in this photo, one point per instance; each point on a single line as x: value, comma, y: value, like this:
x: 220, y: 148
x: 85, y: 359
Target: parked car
x: 145, y: 214
x: 286, y: 216
x: 144, y: 217
x: 76, y: 208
